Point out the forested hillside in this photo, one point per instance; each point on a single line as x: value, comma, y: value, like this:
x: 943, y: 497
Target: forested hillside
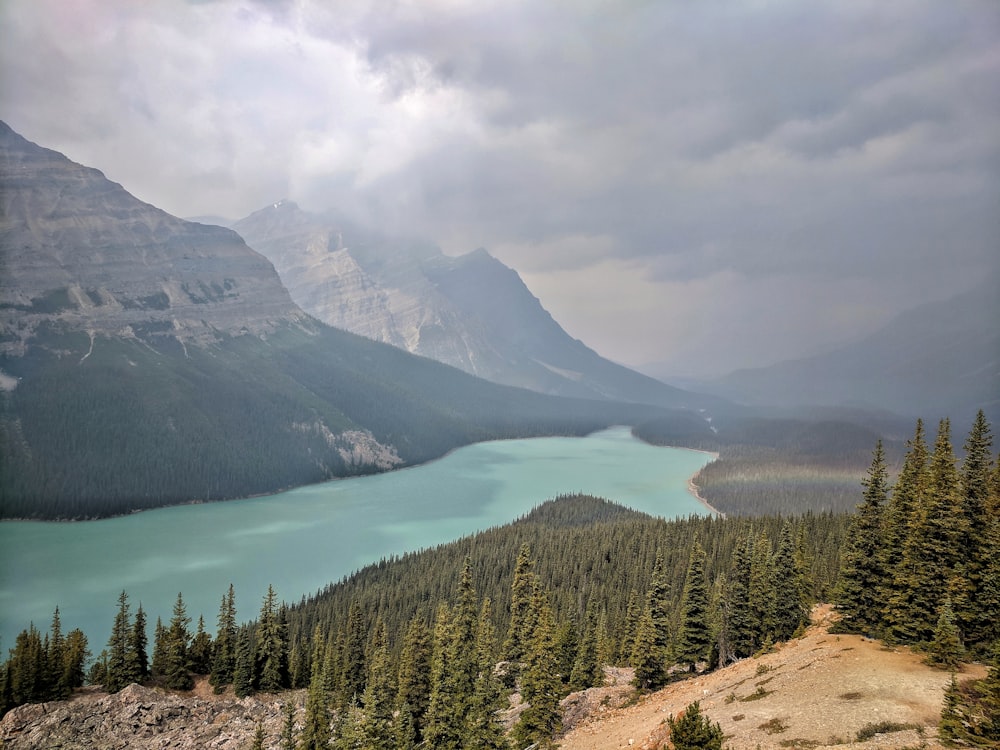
x: 427, y: 647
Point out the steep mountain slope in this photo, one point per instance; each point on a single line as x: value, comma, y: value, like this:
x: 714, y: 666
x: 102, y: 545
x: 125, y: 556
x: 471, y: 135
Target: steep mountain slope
x: 472, y: 312
x: 145, y: 360
x: 938, y: 359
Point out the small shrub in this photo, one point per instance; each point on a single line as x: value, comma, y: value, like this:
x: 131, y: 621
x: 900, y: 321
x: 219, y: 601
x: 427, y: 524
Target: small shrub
x: 852, y: 696
x: 756, y: 695
x: 739, y: 717
x: 773, y: 726
x: 881, y: 727
x: 730, y: 698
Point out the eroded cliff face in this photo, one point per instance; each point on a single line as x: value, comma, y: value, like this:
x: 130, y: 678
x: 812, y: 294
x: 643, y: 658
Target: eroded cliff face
x: 78, y: 251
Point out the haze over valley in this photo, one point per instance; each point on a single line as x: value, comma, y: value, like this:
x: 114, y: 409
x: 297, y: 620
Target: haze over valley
x: 516, y: 361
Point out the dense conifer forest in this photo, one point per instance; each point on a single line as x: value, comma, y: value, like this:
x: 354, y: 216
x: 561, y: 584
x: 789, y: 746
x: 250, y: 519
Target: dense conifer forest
x: 428, y: 646
x: 122, y: 426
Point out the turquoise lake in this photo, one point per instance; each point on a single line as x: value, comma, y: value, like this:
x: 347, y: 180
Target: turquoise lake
x: 302, y: 539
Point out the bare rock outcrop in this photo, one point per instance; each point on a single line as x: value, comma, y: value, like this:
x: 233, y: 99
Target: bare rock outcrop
x: 142, y: 717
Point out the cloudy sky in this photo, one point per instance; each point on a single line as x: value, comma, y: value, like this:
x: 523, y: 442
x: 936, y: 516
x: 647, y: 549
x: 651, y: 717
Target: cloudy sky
x: 706, y: 184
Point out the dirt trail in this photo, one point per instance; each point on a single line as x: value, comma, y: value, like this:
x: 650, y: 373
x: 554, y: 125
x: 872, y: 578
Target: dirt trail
x: 814, y: 692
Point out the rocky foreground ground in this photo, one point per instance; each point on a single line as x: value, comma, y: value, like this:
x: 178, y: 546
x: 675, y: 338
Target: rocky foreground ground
x: 818, y: 691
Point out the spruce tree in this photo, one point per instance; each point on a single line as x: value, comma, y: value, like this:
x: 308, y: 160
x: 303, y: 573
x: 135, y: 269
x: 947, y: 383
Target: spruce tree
x: 316, y: 730
x: 740, y: 625
x: 587, y: 670
x: 175, y: 665
x: 932, y: 554
x: 75, y: 656
x: 121, y: 657
x: 272, y: 646
x: 862, y: 577
x: 445, y: 720
x: 243, y: 667
x: 763, y: 600
x: 648, y: 660
x: 224, y: 650
x: 906, y: 498
x: 483, y: 729
x: 791, y: 610
x: 200, y: 652
x: 976, y: 481
x: 376, y: 730
x: 415, y: 676
x: 55, y: 658
x: 288, y: 726
x: 695, y: 642
x: 353, y: 669
x: 541, y: 720
x: 158, y: 665
x: 515, y: 644
x: 945, y: 651
x: 138, y: 647
x: 693, y: 731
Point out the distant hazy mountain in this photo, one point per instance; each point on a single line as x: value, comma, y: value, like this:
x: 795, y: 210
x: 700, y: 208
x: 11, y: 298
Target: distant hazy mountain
x: 146, y: 360
x: 936, y: 360
x: 472, y: 312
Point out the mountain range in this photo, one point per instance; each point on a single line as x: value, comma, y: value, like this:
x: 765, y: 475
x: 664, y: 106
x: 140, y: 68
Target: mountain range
x: 146, y: 360
x: 471, y: 311
x: 938, y: 359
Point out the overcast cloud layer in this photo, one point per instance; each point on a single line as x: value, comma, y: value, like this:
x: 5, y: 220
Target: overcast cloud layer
x: 710, y: 184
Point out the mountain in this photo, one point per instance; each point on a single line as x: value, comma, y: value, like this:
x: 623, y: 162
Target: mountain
x: 935, y: 360
x: 472, y: 311
x: 146, y: 360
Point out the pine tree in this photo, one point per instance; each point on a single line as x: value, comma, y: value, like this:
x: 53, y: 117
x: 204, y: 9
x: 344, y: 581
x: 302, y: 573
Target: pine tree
x: 862, y: 576
x: 566, y: 644
x: 695, y: 641
x: 414, y: 676
x: 541, y: 720
x: 75, y: 656
x: 483, y: 730
x: 158, y: 666
x: 976, y: 481
x: 376, y: 717
x: 648, y: 660
x: 224, y: 651
x: 901, y: 509
x: 288, y: 726
x: 693, y: 731
x: 316, y: 730
x: 243, y: 668
x: 790, y: 612
x: 932, y: 554
x: 121, y: 657
x: 55, y: 658
x: 946, y: 649
x: 200, y: 652
x: 740, y: 625
x: 763, y: 601
x: 515, y: 644
x: 353, y: 670
x: 258, y: 737
x: 626, y: 646
x: 272, y: 646
x: 138, y: 656
x: 175, y: 664
x: 587, y: 670
x: 445, y: 721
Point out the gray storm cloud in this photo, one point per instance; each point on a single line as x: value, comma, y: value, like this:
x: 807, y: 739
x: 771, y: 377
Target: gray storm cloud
x: 713, y: 185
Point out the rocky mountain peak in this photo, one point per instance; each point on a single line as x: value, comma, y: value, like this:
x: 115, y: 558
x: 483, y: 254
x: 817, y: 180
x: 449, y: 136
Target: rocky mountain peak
x: 79, y: 252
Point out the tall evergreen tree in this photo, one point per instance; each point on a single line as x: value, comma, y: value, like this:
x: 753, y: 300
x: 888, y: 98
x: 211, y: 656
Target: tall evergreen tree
x: 791, y: 608
x: 932, y: 554
x: 316, y: 730
x: 695, y: 642
x: 224, y: 651
x: 75, y: 656
x: 445, y: 719
x: 58, y: 688
x: 272, y: 646
x: 121, y: 657
x: 200, y: 652
x: 138, y: 647
x: 862, y: 577
x: 515, y: 644
x: 945, y: 650
x: 587, y: 670
x: 175, y: 667
x: 740, y: 625
x: 243, y: 667
x: 353, y: 670
x: 158, y: 665
x: 376, y: 730
x: 763, y: 601
x: 414, y: 676
x: 483, y: 729
x: 976, y: 479
x: 541, y: 720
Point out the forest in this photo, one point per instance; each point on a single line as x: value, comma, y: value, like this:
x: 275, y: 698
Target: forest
x: 128, y: 426
x: 428, y: 646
